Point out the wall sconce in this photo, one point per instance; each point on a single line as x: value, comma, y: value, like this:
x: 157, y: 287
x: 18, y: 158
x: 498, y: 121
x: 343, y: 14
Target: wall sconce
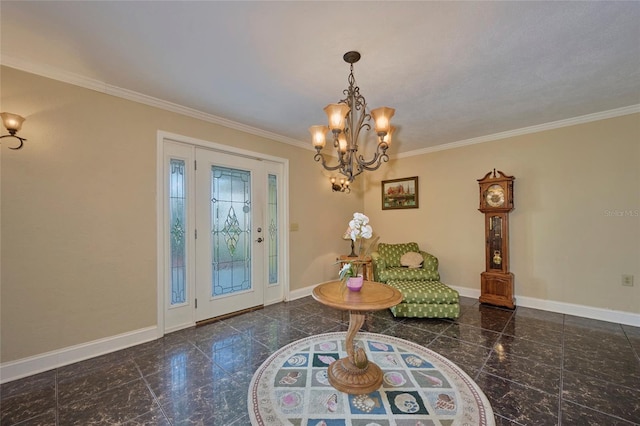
x: 13, y: 123
x: 343, y: 186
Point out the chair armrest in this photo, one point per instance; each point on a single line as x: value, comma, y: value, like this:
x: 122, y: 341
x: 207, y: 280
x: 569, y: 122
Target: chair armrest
x: 379, y: 264
x: 430, y: 266
x: 430, y: 261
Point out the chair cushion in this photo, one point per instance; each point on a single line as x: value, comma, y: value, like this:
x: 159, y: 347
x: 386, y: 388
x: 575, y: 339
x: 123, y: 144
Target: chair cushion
x: 407, y: 274
x: 425, y: 292
x: 393, y: 252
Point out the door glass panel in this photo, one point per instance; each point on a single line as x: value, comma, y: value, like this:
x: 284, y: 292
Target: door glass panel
x: 231, y: 230
x: 177, y: 213
x: 273, y: 228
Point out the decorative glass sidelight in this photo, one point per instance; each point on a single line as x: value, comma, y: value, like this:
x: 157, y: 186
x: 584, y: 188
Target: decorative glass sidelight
x: 273, y: 228
x: 230, y: 230
x: 177, y: 215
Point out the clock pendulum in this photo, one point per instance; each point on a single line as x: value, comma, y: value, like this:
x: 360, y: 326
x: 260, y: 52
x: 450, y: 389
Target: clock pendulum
x: 496, y: 201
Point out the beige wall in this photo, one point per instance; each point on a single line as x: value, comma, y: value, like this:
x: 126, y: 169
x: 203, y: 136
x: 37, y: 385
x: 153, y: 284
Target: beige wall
x: 567, y: 242
x: 78, y: 229
x: 79, y: 213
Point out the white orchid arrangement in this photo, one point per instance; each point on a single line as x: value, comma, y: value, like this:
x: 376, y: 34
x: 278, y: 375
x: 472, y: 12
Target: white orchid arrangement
x: 359, y: 229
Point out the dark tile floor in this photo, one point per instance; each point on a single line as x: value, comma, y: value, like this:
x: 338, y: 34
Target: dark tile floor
x: 536, y: 368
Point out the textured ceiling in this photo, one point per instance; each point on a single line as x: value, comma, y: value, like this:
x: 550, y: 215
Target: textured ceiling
x: 453, y: 70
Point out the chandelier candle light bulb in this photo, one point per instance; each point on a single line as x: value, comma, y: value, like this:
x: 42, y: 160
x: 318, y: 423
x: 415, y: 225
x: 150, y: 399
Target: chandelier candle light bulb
x: 342, y: 142
x: 318, y: 133
x: 382, y: 123
x: 382, y: 117
x: 336, y: 114
x: 387, y: 139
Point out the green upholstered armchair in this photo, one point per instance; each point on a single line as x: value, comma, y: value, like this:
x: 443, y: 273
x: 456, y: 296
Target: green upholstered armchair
x: 387, y: 265
x: 423, y: 295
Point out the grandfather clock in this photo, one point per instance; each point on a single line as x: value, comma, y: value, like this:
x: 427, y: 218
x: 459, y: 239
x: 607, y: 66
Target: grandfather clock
x: 496, y: 201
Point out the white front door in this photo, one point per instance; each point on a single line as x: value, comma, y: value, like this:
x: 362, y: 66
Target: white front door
x: 230, y: 242
x: 223, y: 227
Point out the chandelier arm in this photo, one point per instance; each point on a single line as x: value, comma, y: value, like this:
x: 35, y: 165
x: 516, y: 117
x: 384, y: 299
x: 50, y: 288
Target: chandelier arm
x: 353, y: 176
x: 378, y: 159
x: 320, y: 158
x: 347, y: 164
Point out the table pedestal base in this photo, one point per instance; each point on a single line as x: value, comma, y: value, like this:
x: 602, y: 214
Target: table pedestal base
x: 344, y: 374
x: 346, y: 377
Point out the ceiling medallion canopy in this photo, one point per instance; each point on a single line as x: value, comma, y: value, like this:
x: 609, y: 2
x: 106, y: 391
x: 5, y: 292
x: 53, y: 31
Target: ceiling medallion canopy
x: 346, y: 119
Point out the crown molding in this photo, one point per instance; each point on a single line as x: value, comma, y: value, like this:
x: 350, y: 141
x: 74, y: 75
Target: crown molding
x: 102, y: 87
x: 631, y: 109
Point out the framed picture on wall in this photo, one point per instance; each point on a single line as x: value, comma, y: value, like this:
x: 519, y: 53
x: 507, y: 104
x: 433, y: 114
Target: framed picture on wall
x: 400, y: 193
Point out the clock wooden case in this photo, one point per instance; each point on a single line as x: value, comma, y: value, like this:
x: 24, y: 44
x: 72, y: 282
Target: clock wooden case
x: 496, y: 201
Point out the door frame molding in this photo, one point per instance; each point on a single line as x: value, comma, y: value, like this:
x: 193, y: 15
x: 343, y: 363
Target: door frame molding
x: 163, y: 136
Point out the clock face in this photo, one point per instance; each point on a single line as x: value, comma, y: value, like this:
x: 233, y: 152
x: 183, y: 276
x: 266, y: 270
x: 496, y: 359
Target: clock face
x: 495, y: 196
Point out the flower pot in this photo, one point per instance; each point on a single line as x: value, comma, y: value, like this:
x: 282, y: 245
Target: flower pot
x: 355, y: 283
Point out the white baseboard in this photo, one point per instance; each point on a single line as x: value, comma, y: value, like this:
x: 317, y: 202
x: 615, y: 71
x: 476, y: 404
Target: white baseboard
x: 466, y: 291
x: 628, y: 318
x: 179, y: 327
x: 24, y: 367
x: 301, y: 292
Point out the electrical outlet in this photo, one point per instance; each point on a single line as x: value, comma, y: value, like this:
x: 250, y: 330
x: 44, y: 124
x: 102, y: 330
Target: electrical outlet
x: 627, y: 280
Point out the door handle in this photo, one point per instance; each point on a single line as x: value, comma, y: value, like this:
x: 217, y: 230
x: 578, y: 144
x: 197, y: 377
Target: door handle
x: 259, y: 239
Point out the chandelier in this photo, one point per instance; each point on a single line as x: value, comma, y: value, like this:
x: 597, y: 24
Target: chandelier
x: 346, y: 119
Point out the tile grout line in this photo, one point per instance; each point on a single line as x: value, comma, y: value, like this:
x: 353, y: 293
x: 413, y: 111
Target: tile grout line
x: 561, y: 384
x: 602, y: 412
x: 153, y: 394
x: 491, y: 351
x: 590, y: 408
x: 633, y: 348
x: 57, y: 401
x: 599, y: 379
x: 517, y: 383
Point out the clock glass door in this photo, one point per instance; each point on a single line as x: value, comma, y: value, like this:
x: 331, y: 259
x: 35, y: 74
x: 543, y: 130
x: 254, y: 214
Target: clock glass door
x: 495, y: 243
